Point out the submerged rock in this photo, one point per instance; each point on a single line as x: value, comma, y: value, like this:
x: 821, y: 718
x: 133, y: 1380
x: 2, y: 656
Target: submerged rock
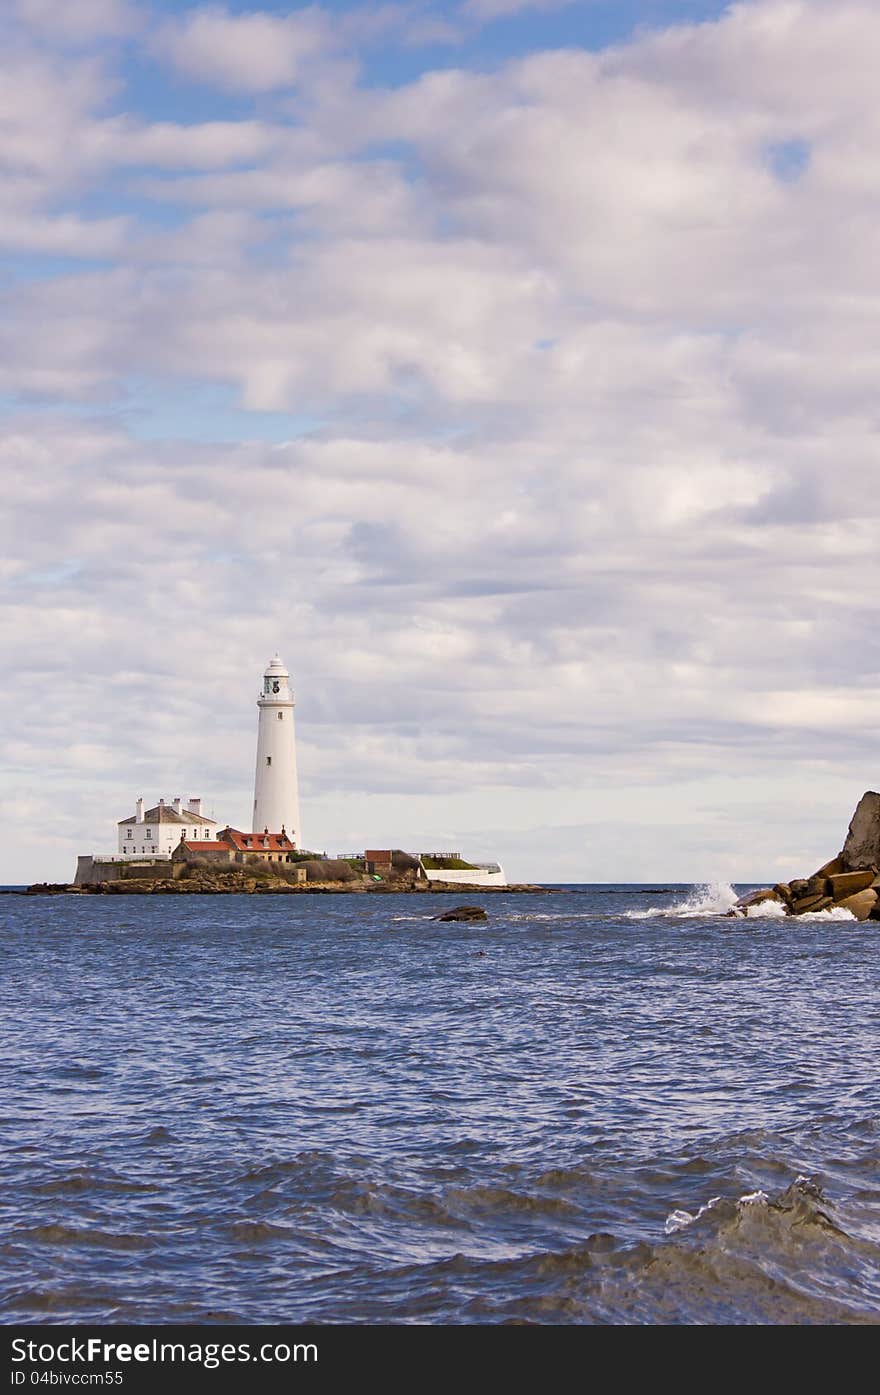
x: 463, y: 913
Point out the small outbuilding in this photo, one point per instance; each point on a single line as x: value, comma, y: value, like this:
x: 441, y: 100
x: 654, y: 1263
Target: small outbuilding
x: 231, y: 845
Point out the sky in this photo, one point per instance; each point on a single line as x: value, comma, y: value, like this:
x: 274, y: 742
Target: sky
x: 509, y: 366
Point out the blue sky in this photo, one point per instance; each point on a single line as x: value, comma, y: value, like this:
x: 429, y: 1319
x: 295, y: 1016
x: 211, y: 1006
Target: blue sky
x: 509, y: 367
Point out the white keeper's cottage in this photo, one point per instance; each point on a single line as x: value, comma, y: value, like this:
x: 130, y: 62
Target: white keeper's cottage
x: 157, y: 832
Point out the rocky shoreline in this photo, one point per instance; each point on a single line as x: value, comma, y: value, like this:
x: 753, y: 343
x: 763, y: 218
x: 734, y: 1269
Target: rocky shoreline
x: 201, y: 882
x: 850, y: 881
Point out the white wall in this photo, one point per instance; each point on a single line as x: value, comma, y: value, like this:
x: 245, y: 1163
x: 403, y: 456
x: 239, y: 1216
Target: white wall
x: 163, y: 837
x: 480, y: 876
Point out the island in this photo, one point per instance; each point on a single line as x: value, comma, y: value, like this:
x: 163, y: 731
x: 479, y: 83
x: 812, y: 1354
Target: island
x: 257, y: 870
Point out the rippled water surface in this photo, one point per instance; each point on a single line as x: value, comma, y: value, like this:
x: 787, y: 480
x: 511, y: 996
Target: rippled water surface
x: 609, y: 1104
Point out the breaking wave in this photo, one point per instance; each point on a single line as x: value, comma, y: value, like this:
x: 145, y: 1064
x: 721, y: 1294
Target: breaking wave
x: 758, y: 1257
x: 830, y: 913
x: 766, y: 910
x: 719, y: 899
x: 710, y: 899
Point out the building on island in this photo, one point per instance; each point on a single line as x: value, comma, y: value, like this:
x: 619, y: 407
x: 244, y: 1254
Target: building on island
x: 450, y: 867
x: 231, y: 845
x: 276, y: 792
x: 180, y: 834
x: 156, y: 832
x: 174, y: 827
x: 379, y: 861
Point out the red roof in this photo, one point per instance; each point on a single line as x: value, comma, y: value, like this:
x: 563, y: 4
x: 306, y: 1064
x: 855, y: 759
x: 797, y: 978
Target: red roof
x: 254, y: 842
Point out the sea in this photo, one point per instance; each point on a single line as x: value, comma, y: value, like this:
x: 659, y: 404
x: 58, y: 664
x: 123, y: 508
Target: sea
x: 603, y: 1105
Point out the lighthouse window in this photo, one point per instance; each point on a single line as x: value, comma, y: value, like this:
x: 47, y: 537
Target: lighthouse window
x: 149, y: 833
x: 268, y: 760
x: 281, y: 716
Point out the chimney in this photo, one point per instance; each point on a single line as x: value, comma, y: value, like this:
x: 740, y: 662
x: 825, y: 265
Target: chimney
x: 139, y: 811
x: 177, y: 803
x: 194, y: 805
x: 162, y: 803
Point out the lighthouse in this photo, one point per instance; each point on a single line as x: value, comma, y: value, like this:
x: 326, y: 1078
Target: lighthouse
x: 276, y: 796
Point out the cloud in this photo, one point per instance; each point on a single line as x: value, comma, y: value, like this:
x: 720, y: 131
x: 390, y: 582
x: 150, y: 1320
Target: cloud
x: 537, y: 427
x: 485, y: 11
x: 250, y: 52
x: 80, y: 22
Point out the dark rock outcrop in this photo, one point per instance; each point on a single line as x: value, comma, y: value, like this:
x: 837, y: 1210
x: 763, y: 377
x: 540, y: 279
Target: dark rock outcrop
x: 850, y: 880
x: 862, y: 846
x: 862, y: 905
x: 463, y: 913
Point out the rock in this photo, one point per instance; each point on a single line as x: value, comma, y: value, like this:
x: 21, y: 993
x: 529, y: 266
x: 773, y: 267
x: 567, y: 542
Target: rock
x: 755, y: 898
x: 862, y: 846
x: 817, y: 886
x: 861, y: 904
x: 798, y: 887
x: 804, y: 904
x: 831, y: 869
x: 848, y: 883
x: 463, y: 913
x: 783, y: 891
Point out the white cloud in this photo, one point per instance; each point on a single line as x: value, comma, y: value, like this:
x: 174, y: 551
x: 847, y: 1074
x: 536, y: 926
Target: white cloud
x: 78, y: 20
x: 487, y: 10
x: 583, y: 535
x: 251, y: 52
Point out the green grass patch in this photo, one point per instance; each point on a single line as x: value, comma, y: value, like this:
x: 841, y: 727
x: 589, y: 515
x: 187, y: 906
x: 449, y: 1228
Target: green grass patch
x: 447, y: 864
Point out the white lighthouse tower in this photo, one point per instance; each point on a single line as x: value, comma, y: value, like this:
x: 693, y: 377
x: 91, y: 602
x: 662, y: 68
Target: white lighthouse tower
x: 276, y: 795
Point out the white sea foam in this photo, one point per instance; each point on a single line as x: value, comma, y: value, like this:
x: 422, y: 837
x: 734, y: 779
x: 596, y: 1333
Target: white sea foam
x: 830, y: 913
x: 552, y: 915
x: 679, y: 1220
x: 712, y: 899
x: 767, y: 910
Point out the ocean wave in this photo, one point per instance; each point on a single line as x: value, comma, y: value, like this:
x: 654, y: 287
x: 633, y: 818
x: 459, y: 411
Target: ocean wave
x: 831, y: 913
x: 755, y: 1258
x: 66, y: 1235
x: 708, y: 900
x: 766, y: 910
